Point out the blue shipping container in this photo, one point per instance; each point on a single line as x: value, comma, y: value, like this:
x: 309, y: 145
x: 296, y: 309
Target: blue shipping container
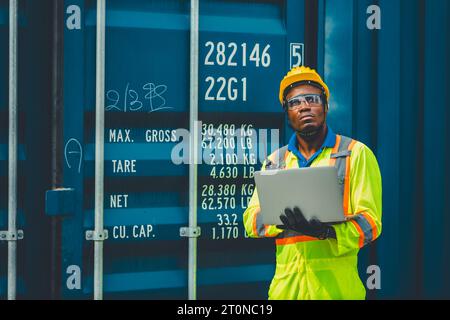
x: 386, y: 63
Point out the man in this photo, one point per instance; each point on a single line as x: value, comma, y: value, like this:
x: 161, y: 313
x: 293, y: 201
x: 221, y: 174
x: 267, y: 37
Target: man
x: 315, y: 260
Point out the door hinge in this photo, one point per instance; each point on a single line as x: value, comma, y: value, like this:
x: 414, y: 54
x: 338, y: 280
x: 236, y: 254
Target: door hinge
x: 190, y: 232
x: 11, y: 236
x: 93, y: 235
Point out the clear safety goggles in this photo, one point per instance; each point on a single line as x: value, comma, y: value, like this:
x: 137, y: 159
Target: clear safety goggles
x: 307, y: 99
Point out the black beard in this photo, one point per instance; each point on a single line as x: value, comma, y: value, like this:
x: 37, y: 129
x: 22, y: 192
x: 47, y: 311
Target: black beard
x: 310, y: 134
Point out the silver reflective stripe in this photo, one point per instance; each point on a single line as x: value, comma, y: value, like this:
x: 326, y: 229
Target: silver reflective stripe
x: 345, y: 142
x: 288, y: 234
x: 260, y: 229
x: 341, y: 154
x: 282, y: 157
x: 341, y: 157
x: 365, y: 227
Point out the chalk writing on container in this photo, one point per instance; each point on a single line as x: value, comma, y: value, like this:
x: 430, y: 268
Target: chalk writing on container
x: 148, y: 98
x: 73, y: 146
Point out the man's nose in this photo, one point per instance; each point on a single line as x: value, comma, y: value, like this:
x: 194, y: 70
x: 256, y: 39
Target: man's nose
x: 303, y: 106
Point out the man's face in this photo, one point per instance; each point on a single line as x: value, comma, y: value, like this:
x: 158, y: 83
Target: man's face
x: 306, y: 118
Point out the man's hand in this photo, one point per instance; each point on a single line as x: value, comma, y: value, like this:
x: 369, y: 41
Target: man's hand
x: 295, y: 220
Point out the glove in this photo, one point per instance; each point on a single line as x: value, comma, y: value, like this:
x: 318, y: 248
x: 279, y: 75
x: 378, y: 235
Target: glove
x: 295, y: 220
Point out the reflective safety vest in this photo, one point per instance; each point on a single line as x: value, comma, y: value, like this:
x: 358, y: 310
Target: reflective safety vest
x: 309, y: 268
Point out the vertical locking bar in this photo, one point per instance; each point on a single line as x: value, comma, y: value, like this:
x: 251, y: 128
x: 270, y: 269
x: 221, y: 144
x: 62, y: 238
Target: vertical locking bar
x: 193, y: 150
x: 12, y: 151
x: 99, y: 148
x: 12, y: 235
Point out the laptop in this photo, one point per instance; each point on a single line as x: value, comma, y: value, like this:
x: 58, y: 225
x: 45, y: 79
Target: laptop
x: 315, y: 190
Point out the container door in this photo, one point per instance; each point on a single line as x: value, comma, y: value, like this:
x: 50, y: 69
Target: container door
x: 246, y: 47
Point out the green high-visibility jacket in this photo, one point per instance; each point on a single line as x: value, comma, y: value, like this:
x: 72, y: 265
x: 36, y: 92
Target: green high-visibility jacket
x: 309, y: 268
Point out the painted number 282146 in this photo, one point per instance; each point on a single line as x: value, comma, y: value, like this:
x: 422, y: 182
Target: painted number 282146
x: 232, y: 55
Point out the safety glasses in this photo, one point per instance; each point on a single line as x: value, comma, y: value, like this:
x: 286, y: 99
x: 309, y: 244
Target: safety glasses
x: 307, y: 99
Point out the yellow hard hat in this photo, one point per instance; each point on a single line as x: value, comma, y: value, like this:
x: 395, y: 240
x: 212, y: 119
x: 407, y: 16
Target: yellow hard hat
x: 301, y: 74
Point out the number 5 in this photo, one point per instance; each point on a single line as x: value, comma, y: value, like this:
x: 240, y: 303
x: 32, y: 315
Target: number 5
x: 297, y: 52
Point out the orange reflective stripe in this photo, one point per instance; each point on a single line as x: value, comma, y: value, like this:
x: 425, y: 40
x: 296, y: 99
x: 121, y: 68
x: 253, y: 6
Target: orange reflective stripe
x: 336, y: 145
x: 347, y: 180
x: 291, y: 240
x: 372, y: 224
x: 335, y: 149
x: 352, y: 144
x: 266, y: 230
x: 255, y: 231
x: 361, y: 233
x: 286, y: 155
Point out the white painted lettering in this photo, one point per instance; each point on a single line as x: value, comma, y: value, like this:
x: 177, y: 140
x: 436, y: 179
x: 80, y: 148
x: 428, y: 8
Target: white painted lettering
x: 249, y: 172
x: 74, y: 279
x: 374, y: 281
x: 143, y: 231
x: 124, y: 166
x: 160, y: 136
x: 374, y: 20
x: 247, y: 189
x: 120, y: 232
x: 73, y: 22
x: 118, y: 201
x: 119, y: 135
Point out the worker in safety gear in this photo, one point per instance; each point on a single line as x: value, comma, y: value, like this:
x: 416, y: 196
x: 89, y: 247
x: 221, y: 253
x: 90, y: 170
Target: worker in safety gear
x: 316, y: 260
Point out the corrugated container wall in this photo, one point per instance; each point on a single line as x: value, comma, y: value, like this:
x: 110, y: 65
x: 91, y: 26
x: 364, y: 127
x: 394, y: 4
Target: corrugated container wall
x: 389, y: 89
